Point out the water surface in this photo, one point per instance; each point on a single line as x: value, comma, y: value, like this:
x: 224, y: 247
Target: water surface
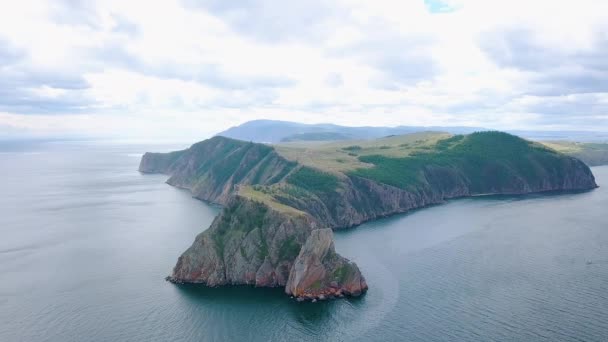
x: 87, y: 240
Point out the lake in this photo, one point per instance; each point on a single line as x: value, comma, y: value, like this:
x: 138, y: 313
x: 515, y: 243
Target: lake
x: 87, y: 241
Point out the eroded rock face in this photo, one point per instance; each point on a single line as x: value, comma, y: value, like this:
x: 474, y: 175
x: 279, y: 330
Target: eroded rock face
x: 248, y: 243
x: 320, y: 273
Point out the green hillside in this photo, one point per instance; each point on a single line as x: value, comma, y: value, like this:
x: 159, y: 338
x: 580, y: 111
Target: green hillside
x: 593, y: 154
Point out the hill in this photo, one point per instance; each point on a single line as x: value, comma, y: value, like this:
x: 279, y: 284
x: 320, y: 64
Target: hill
x: 275, y: 197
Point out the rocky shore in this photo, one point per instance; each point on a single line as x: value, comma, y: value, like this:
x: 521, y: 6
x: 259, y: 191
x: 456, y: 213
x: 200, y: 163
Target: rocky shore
x: 275, y: 227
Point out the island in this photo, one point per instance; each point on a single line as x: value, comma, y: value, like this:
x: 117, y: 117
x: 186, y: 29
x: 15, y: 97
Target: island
x: 281, y: 202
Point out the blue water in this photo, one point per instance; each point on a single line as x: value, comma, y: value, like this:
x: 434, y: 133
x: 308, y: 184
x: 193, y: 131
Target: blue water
x: 86, y: 242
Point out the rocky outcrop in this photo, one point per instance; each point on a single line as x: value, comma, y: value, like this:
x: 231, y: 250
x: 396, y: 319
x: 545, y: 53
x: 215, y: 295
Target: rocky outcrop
x: 248, y: 243
x: 319, y: 273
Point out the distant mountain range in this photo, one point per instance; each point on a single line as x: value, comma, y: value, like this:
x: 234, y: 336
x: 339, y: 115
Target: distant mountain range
x: 275, y: 131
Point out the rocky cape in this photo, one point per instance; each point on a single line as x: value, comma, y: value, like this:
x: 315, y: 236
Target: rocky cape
x: 272, y: 229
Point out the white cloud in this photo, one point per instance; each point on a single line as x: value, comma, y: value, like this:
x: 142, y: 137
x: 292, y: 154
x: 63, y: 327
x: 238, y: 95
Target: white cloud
x: 191, y: 68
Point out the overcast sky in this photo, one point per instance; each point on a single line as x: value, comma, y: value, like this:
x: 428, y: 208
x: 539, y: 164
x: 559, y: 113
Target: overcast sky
x: 188, y: 69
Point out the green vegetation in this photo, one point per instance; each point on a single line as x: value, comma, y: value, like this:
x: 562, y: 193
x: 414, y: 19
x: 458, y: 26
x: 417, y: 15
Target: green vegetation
x: 289, y: 249
x: 234, y: 221
x: 444, y: 144
x: 486, y: 160
x: 230, y: 165
x: 342, y: 273
x: 592, y: 154
x: 316, y: 285
x: 265, y: 195
x: 343, y: 156
x: 313, y: 180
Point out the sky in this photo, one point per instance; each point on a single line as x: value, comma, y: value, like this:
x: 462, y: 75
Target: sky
x: 188, y: 69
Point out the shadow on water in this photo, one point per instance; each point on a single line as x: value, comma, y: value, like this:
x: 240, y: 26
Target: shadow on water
x: 265, y: 299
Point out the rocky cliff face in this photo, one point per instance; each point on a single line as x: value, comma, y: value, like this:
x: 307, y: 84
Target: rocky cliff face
x: 357, y: 199
x: 320, y: 273
x: 248, y: 243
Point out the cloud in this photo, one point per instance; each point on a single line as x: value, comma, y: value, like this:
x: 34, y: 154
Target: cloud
x: 554, y: 70
x: 26, y: 90
x: 271, y: 20
x: 125, y: 68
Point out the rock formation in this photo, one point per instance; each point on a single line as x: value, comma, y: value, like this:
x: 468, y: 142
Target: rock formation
x: 248, y: 243
x: 320, y: 273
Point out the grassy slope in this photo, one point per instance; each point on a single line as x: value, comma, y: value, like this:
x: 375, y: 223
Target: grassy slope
x: 343, y: 156
x: 263, y: 194
x: 485, y: 158
x: 592, y: 154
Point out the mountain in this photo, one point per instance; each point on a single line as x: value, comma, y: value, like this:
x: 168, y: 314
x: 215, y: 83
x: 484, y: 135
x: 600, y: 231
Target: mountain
x: 318, y: 136
x: 271, y: 131
x: 278, y: 198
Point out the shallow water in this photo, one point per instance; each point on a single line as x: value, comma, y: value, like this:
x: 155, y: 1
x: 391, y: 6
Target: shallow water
x: 87, y: 240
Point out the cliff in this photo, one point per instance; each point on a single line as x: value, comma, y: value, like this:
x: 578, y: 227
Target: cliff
x: 271, y: 231
x: 254, y: 243
x: 477, y: 164
x: 212, y: 169
x: 320, y: 273
x: 248, y: 243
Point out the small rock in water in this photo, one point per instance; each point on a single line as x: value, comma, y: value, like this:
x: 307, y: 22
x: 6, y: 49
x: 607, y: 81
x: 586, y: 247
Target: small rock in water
x: 314, y: 300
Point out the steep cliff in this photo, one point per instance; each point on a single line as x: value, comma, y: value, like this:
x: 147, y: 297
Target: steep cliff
x: 477, y: 164
x: 272, y: 204
x: 250, y: 242
x: 212, y: 169
x: 320, y: 273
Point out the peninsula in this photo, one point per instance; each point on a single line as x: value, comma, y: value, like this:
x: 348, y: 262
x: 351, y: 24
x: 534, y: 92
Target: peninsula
x: 279, y: 200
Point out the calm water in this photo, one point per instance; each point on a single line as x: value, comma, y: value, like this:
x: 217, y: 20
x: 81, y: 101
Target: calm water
x: 86, y: 242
